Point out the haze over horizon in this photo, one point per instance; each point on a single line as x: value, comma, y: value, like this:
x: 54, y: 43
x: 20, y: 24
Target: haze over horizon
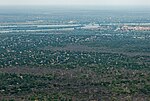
x: 77, y: 2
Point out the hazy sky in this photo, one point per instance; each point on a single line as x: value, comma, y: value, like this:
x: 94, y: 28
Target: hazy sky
x: 76, y: 2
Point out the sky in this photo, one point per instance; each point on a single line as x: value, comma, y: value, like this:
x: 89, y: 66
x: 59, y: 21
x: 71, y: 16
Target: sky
x: 77, y: 2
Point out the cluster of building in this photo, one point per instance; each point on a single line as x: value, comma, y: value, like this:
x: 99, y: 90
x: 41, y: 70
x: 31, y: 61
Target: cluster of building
x: 138, y: 28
